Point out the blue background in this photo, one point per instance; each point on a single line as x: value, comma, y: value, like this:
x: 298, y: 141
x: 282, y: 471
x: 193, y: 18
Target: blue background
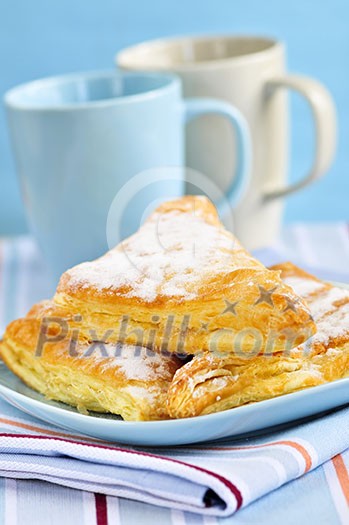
x: 40, y: 38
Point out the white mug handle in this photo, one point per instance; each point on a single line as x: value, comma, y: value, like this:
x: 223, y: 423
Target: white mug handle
x: 196, y: 107
x: 324, y: 115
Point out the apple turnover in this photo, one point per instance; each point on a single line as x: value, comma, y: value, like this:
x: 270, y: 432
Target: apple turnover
x: 215, y: 382
x: 126, y: 380
x: 183, y: 284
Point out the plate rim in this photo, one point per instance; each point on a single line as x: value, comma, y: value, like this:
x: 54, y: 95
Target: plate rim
x: 215, y: 415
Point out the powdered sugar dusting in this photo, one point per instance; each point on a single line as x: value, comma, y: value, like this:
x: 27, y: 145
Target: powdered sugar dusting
x: 167, y: 256
x: 334, y: 325
x: 326, y: 302
x: 150, y: 394
x: 333, y: 351
x: 303, y: 286
x: 134, y: 362
x: 330, y: 310
x: 314, y: 370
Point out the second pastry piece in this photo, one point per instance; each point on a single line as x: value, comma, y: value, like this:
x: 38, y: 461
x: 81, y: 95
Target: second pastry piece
x: 184, y: 284
x: 212, y: 383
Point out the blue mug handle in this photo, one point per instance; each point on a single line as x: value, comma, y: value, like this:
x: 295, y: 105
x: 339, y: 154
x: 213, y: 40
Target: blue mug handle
x: 195, y: 107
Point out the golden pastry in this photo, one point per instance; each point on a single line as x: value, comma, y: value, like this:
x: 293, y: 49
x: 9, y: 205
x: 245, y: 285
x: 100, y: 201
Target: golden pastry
x: 183, y: 284
x: 211, y: 382
x: 121, y: 379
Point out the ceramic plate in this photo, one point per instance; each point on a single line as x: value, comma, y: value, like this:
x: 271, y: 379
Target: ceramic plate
x: 246, y: 419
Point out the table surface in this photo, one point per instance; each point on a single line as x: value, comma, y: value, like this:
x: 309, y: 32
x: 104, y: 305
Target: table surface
x: 24, y: 280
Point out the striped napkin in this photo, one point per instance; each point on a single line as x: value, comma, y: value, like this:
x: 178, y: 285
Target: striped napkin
x: 213, y: 479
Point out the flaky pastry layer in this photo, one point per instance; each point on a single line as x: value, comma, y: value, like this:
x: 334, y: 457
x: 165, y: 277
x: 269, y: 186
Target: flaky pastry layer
x: 212, y: 382
x: 125, y: 380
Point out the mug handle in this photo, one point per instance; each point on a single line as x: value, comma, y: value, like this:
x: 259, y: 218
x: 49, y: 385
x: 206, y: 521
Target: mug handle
x: 324, y: 114
x: 195, y: 107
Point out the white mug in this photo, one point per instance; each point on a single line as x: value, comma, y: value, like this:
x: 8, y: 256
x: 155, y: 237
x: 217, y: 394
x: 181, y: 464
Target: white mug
x: 249, y: 73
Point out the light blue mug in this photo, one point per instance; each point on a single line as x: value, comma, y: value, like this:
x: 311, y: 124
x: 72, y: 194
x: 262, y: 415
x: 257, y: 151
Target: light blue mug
x: 78, y: 139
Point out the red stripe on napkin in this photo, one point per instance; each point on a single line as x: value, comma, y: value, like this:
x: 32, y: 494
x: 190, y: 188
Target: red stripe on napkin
x: 101, y: 509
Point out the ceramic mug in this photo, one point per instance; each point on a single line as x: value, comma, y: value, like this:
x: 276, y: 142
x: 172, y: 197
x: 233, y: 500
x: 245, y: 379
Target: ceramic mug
x: 248, y: 72
x: 78, y: 139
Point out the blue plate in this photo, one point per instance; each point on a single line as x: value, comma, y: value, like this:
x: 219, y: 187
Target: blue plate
x: 235, y: 422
